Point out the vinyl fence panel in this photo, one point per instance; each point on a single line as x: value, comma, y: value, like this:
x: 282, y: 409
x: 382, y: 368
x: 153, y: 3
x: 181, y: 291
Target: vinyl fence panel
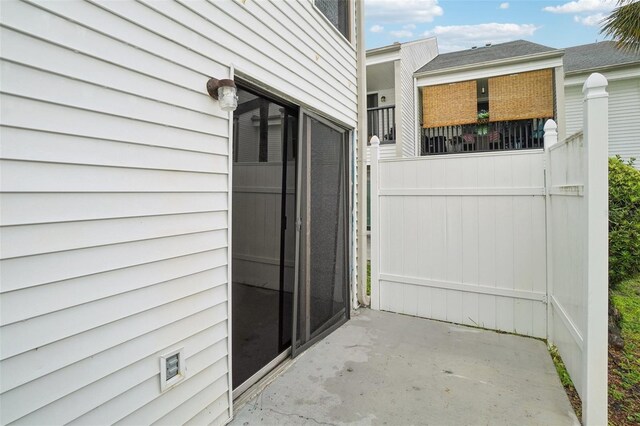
x: 577, y: 227
x: 462, y: 239
x: 510, y: 241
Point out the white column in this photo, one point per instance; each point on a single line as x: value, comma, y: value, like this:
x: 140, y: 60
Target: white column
x: 397, y: 84
x: 360, y: 294
x: 375, y: 224
x: 561, y: 115
x: 550, y: 139
x: 595, y: 350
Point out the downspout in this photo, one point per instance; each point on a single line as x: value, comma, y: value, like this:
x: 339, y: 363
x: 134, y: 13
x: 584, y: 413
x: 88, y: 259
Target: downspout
x: 363, y: 299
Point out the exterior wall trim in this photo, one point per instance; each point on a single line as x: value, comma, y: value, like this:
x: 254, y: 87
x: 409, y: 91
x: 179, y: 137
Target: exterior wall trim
x: 577, y: 78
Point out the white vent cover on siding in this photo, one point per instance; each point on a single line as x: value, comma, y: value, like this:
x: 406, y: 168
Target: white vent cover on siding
x: 172, y: 369
x: 172, y: 366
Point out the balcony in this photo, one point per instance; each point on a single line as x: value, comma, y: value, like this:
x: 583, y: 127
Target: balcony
x: 482, y: 137
x: 382, y: 123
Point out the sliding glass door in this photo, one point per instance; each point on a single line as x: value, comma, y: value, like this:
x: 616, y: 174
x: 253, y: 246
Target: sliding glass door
x: 321, y: 288
x: 265, y: 134
x: 290, y: 233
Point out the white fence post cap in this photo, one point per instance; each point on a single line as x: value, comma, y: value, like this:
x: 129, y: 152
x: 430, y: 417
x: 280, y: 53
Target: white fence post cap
x: 550, y: 125
x: 595, y: 86
x: 375, y: 140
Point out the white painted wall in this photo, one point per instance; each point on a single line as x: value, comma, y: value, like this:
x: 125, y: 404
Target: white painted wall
x: 624, y: 111
x: 461, y: 239
x: 115, y: 183
x: 389, y: 95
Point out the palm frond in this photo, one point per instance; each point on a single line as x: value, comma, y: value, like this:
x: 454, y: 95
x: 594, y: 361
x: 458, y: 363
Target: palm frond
x: 623, y: 25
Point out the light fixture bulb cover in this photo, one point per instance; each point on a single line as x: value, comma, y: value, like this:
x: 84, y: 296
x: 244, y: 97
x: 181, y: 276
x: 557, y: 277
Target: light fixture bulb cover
x: 228, y: 98
x: 225, y: 91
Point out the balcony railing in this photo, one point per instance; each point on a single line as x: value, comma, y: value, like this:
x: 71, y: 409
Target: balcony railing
x: 496, y: 136
x: 381, y: 121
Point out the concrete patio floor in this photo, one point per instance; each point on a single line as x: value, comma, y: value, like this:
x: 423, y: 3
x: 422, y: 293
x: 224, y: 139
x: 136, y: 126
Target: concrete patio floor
x: 384, y: 368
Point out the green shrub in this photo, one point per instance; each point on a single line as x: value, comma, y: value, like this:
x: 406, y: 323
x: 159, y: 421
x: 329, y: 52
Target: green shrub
x: 624, y: 221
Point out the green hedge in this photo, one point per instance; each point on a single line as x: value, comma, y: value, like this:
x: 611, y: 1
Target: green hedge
x: 624, y: 221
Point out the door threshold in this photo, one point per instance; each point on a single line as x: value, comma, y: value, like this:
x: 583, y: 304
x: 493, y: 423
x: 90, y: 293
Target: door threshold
x: 260, y: 380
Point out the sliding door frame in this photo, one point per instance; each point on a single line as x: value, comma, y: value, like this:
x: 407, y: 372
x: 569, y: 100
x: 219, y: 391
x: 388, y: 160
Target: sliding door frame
x: 284, y: 351
x: 302, y: 265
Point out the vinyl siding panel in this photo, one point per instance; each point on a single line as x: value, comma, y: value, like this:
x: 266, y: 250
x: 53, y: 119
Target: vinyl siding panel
x: 624, y: 118
x: 413, y: 56
x: 573, y: 109
x: 94, y: 373
x: 624, y: 115
x: 115, y: 185
x: 386, y: 151
x: 24, y: 208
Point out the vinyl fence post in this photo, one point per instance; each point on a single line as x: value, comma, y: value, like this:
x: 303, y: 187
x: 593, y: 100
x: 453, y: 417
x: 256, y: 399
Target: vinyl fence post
x: 595, y: 344
x: 375, y: 224
x: 550, y: 139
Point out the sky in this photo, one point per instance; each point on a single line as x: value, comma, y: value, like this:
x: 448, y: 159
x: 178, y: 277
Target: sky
x: 462, y: 24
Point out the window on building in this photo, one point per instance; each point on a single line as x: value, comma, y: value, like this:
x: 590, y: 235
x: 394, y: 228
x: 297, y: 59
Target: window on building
x: 337, y: 12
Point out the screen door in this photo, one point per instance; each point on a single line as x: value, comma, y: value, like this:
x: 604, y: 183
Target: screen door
x: 321, y: 285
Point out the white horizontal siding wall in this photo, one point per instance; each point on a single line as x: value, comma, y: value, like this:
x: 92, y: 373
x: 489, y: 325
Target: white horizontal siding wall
x: 462, y: 239
x: 413, y: 56
x: 573, y: 109
x: 115, y: 186
x: 624, y: 115
x: 386, y: 151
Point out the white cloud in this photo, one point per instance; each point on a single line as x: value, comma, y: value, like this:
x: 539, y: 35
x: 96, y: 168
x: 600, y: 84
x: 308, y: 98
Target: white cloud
x: 582, y: 6
x: 401, y: 34
x: 504, y: 5
x: 409, y: 27
x: 590, y: 20
x: 402, y: 11
x: 376, y: 29
x: 458, y: 37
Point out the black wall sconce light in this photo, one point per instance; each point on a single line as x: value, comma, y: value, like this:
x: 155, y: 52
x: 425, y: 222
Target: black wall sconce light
x: 225, y: 92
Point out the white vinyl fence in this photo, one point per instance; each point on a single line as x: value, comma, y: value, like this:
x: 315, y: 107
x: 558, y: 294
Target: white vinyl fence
x: 577, y: 249
x: 499, y: 241
x: 462, y: 240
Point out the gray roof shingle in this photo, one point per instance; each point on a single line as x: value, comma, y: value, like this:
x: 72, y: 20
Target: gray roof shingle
x: 511, y: 49
x: 596, y: 55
